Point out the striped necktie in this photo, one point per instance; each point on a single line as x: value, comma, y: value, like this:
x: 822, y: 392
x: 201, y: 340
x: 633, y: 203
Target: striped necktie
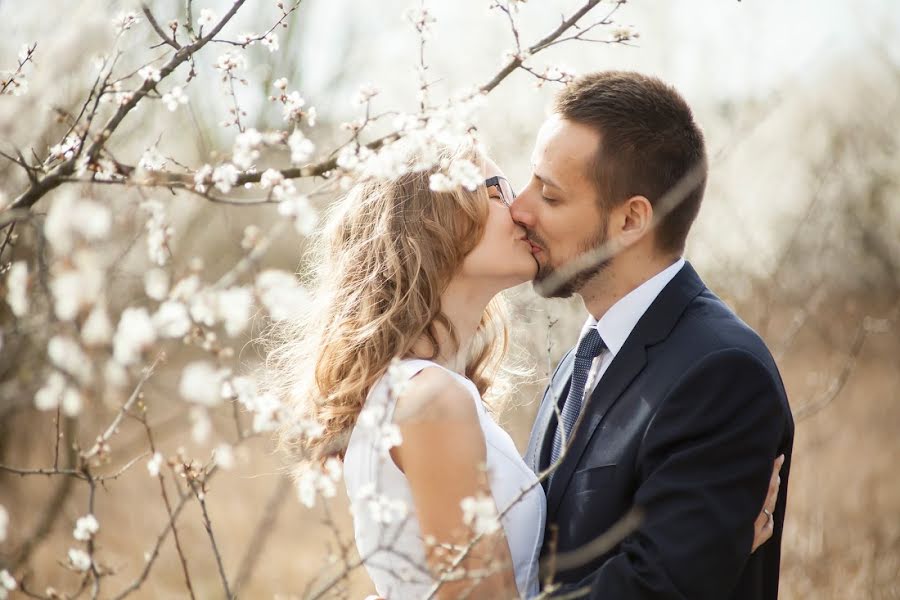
x: 590, y: 346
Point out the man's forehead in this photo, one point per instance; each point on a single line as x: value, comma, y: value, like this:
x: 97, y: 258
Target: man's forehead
x: 541, y: 153
x: 561, y: 145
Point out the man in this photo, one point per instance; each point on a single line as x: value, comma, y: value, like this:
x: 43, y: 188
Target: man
x: 669, y: 403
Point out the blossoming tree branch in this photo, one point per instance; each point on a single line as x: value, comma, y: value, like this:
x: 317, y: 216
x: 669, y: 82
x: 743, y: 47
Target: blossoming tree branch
x: 86, y: 356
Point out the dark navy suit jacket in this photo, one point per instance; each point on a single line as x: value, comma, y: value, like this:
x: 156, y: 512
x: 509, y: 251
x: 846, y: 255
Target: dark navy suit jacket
x: 685, y: 425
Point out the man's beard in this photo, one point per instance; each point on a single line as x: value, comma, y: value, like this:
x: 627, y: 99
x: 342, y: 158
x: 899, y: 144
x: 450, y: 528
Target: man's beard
x: 577, y: 280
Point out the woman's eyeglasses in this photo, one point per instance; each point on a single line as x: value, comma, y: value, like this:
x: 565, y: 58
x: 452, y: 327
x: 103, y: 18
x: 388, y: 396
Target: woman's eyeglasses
x: 503, y: 186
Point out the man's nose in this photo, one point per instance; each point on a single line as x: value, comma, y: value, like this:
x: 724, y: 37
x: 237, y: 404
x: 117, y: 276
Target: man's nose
x: 520, y: 210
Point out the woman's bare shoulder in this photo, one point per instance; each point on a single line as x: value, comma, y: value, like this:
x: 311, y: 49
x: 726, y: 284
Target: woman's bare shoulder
x: 435, y: 394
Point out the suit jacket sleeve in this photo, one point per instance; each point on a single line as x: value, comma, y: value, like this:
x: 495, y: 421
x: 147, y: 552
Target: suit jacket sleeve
x: 703, y: 468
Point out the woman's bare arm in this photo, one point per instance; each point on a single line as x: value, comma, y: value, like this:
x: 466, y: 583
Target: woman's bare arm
x: 443, y: 455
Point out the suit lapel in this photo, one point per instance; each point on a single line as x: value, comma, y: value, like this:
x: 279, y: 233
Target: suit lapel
x: 653, y: 327
x: 624, y: 368
x: 540, y: 438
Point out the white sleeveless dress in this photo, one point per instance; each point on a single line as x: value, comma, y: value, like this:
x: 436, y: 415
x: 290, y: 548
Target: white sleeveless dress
x: 385, y: 526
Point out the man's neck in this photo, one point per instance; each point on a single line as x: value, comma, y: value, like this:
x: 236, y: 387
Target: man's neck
x: 619, y: 280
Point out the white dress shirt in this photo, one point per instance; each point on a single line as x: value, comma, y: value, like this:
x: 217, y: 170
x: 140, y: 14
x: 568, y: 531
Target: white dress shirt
x: 616, y: 325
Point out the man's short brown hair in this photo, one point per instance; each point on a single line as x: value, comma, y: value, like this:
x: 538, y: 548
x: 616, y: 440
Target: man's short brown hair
x: 649, y: 146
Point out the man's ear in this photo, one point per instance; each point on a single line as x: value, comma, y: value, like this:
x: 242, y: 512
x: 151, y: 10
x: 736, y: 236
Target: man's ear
x: 634, y: 220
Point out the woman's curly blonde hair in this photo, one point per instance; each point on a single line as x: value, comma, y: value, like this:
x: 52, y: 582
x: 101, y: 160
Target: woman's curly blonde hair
x: 385, y: 256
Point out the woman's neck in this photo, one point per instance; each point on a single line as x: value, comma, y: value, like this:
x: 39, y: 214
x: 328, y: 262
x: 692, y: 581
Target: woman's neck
x: 463, y: 303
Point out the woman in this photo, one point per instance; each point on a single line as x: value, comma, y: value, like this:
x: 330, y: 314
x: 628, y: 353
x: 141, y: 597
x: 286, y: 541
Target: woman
x: 408, y: 342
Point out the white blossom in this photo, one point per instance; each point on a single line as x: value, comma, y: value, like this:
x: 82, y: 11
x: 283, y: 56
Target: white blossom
x: 158, y: 232
x: 7, y: 583
x: 252, y: 236
x: 306, y: 428
x: 125, y: 20
x: 79, y: 559
x: 85, y: 528
x: 154, y: 464
x: 201, y: 383
x: 311, y: 116
x: 365, y: 93
x: 372, y: 415
x: 17, y: 288
x: 301, y: 147
x: 185, y: 288
x: 150, y: 73
x: 386, y: 434
x: 172, y: 320
x: 382, y: 508
x: 281, y: 83
x: 312, y: 479
x: 67, y: 148
x: 92, y: 220
x: 466, y: 173
x: 225, y: 177
x: 245, y: 147
x: 480, y: 513
x: 207, y: 18
x: 301, y: 211
x: 623, y: 33
x: 201, y: 178
x: 293, y: 106
x: 156, y: 283
x: 115, y: 375
x: 70, y: 217
x: 66, y: 355
x: 234, y: 306
x: 204, y: 307
x: 71, y: 403
x: 397, y: 379
x: 388, y: 437
x: 175, y: 97
x: 48, y: 397
x: 201, y: 426
x: 460, y: 173
x: 97, y: 329
x: 266, y: 408
x: 77, y: 285
x: 133, y: 335
x: 223, y: 454
x: 107, y: 171
x: 271, y: 41
x: 270, y: 178
x: 266, y: 411
x: 230, y: 61
x: 439, y: 182
x: 281, y: 294
x: 152, y: 160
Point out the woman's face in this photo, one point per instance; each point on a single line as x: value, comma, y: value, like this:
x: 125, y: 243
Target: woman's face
x: 502, y: 258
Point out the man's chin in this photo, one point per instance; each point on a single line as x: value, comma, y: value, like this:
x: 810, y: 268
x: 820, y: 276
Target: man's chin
x: 566, y: 290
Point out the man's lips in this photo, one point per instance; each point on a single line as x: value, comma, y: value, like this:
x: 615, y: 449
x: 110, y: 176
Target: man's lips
x: 534, y: 247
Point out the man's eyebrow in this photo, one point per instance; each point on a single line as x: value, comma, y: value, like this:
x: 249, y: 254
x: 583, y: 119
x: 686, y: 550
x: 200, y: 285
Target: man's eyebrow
x: 547, y: 181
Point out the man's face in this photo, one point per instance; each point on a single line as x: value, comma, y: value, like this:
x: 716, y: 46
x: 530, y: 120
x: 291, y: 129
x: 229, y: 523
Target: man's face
x: 560, y: 207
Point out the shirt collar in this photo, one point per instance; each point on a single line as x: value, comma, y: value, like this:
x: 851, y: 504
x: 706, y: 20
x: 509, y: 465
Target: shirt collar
x: 615, y: 326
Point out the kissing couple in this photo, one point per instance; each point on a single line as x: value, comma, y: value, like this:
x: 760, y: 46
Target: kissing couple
x: 667, y: 422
